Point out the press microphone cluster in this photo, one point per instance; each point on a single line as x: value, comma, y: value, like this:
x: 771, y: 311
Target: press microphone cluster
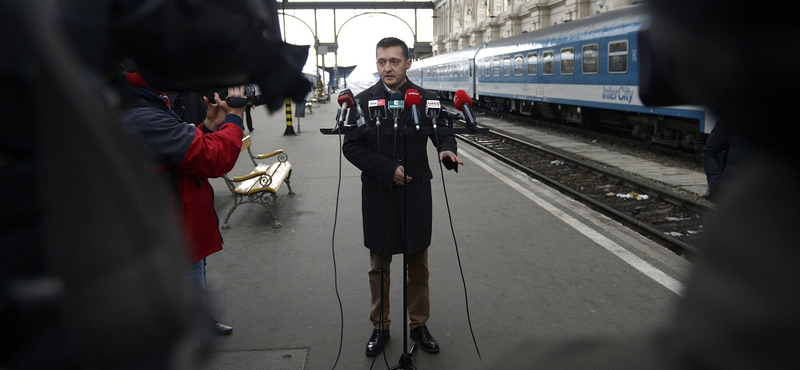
x: 463, y: 102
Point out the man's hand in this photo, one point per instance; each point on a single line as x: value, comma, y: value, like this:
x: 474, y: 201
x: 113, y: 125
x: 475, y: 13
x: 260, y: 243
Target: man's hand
x: 451, y: 156
x: 400, y: 176
x: 215, y: 116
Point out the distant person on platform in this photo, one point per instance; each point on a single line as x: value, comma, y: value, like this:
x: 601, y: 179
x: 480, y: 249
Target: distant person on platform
x: 387, y: 173
x: 715, y: 155
x: 188, y: 155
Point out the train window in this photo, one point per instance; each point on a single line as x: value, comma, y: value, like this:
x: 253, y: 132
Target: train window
x: 533, y: 64
x: 506, y: 66
x: 496, y: 66
x: 486, y: 68
x: 461, y: 69
x: 590, y: 60
x: 548, y: 62
x: 518, y: 65
x: 618, y: 57
x: 567, y: 61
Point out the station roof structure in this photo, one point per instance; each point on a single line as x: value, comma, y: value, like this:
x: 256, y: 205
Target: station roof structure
x: 356, y: 4
x: 343, y: 71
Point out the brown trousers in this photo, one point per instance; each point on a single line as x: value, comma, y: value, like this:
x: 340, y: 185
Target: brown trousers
x: 418, y: 295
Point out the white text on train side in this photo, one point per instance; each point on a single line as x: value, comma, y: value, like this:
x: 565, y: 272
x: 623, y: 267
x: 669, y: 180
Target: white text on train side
x: 621, y: 93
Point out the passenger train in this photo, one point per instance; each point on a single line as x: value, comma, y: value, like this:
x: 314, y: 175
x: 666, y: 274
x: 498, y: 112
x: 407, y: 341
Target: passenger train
x: 584, y: 71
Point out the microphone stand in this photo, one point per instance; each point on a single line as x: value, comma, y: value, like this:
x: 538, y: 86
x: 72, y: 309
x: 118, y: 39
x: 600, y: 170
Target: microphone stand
x: 405, y: 362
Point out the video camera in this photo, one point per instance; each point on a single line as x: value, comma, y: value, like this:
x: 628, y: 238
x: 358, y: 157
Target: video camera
x: 252, y: 96
x: 240, y: 39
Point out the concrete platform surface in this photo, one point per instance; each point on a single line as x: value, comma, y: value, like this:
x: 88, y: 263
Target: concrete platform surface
x: 535, y: 263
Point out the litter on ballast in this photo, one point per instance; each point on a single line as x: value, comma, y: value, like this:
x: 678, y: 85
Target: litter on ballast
x: 676, y: 219
x: 634, y: 195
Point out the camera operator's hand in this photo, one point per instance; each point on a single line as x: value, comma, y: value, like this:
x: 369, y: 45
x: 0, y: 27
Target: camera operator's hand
x: 215, y: 116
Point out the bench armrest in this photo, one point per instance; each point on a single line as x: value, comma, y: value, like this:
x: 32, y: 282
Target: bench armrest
x: 281, y: 156
x: 272, y: 154
x: 250, y: 176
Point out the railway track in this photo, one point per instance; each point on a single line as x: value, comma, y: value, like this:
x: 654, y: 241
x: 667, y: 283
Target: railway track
x: 664, y: 216
x: 598, y: 133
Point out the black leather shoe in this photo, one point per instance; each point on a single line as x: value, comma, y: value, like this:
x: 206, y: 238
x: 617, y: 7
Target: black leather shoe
x: 376, y: 342
x: 421, y: 335
x: 222, y: 329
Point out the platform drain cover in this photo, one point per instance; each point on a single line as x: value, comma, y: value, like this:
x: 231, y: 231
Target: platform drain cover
x: 272, y: 359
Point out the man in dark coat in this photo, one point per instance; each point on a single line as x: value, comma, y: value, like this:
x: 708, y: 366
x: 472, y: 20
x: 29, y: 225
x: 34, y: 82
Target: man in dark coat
x: 393, y: 178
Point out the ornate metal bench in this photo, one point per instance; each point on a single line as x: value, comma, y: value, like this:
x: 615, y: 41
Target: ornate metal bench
x: 262, y: 184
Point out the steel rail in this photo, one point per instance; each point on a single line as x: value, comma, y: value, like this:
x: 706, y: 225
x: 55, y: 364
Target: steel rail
x: 672, y: 198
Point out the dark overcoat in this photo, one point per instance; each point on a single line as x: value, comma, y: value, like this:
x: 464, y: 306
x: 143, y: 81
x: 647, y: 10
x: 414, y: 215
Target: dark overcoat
x: 382, y: 201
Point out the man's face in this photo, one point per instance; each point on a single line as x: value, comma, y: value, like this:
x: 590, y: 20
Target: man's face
x: 392, y: 66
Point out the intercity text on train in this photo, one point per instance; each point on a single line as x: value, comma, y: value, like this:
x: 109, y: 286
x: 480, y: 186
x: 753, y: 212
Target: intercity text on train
x: 618, y: 93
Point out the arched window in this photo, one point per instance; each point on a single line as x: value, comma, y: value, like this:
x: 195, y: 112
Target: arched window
x: 457, y: 17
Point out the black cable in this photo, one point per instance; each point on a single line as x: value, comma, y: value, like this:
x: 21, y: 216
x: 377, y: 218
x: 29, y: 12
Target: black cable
x: 455, y: 242
x: 333, y: 252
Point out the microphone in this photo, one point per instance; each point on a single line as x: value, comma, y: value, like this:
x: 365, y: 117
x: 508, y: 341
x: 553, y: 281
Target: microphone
x: 463, y: 102
x: 362, y: 124
x: 345, y: 100
x: 396, y: 106
x: 432, y: 108
x: 413, y: 100
x: 377, y: 109
x: 450, y: 115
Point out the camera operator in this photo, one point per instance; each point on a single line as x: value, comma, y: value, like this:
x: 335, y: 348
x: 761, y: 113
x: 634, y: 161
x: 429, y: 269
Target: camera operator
x: 188, y: 156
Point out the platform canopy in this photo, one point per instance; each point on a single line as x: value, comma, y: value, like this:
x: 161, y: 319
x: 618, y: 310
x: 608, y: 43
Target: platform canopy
x: 344, y: 71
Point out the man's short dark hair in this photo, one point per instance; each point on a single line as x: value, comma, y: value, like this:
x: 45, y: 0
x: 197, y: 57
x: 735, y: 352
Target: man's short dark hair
x: 393, y: 41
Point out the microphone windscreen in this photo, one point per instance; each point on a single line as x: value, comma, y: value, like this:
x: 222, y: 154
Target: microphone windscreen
x: 396, y: 96
x: 345, y: 96
x: 413, y: 98
x: 462, y: 98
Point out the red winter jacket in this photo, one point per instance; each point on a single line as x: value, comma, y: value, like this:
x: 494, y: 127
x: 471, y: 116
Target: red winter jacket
x: 209, y: 155
x: 189, y: 155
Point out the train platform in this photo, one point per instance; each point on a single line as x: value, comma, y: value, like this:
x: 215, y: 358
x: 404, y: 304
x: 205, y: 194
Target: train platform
x: 535, y: 264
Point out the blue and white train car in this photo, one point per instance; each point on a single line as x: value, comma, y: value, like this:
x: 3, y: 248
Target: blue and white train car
x: 585, y: 71
x: 447, y: 73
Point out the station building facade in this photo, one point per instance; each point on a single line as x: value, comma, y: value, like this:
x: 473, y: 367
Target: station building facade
x: 459, y: 24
